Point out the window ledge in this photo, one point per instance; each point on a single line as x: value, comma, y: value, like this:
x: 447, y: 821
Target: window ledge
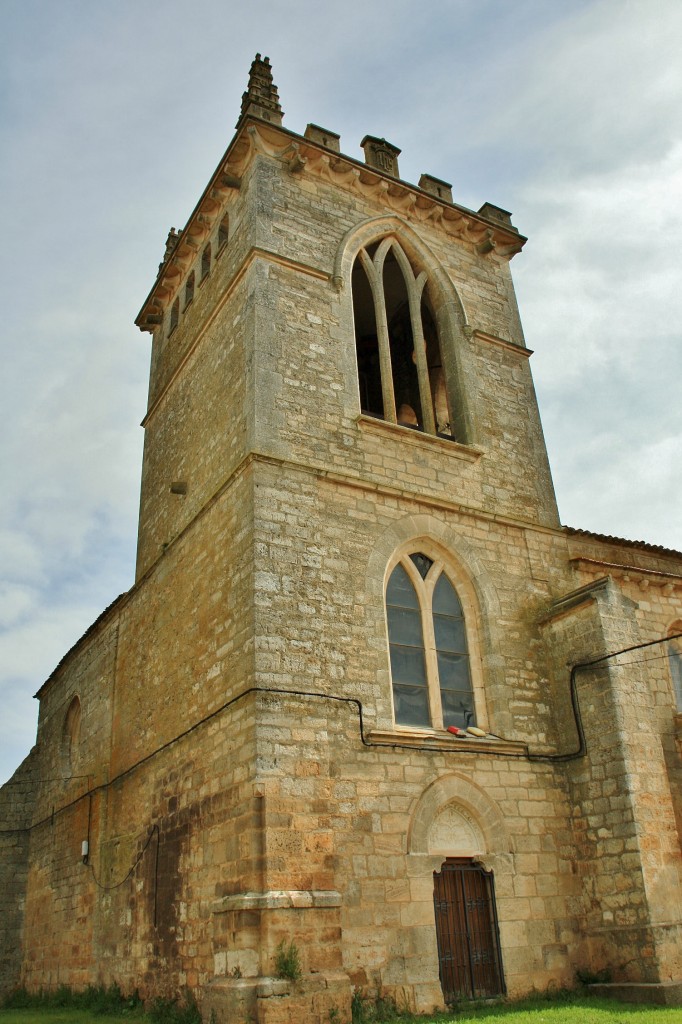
x: 419, y: 439
x: 443, y: 741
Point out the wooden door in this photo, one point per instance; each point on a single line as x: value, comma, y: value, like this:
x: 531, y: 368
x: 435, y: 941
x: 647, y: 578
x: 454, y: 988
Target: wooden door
x: 469, y: 959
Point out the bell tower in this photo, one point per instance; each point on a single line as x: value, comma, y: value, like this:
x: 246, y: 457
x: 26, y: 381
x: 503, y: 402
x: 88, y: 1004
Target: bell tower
x: 338, y: 368
x: 317, y: 309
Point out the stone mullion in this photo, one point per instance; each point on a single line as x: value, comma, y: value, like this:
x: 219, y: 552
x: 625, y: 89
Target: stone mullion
x: 414, y: 290
x: 414, y: 287
x: 432, y: 675
x: 431, y: 659
x: 385, y: 366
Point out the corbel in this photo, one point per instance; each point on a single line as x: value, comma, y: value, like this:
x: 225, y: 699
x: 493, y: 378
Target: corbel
x: 293, y: 158
x: 181, y: 261
x: 509, y: 250
x: 198, y: 230
x: 343, y: 174
x: 453, y: 222
x: 401, y: 200
x: 255, y: 140
x: 487, y: 244
x: 211, y: 203
x: 374, y: 187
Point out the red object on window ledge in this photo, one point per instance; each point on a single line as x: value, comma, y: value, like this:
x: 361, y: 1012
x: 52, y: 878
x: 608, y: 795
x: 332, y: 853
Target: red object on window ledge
x: 455, y: 731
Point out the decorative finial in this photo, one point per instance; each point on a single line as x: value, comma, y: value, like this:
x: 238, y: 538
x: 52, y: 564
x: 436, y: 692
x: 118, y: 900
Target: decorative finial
x: 261, y: 98
x: 173, y: 236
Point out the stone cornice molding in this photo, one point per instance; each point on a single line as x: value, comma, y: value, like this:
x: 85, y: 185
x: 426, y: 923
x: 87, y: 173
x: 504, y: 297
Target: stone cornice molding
x: 493, y: 339
x: 486, y: 236
x: 619, y: 570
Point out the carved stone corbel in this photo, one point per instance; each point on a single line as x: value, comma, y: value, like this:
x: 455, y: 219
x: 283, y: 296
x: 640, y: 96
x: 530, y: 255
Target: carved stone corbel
x: 294, y: 159
x: 486, y: 245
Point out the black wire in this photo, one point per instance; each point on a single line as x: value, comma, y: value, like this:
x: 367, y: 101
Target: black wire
x: 117, y: 885
x: 475, y: 750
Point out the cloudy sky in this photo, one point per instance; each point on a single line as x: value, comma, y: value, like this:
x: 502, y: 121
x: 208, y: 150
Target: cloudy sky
x: 113, y: 116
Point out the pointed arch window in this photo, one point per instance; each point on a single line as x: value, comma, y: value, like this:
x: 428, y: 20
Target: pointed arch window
x: 399, y: 354
x: 71, y: 733
x: 429, y: 655
x: 223, y: 232
x: 189, y: 290
x: 174, y: 316
x: 206, y: 261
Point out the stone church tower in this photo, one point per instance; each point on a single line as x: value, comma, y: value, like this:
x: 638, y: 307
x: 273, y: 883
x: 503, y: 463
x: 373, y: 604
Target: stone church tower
x: 366, y: 695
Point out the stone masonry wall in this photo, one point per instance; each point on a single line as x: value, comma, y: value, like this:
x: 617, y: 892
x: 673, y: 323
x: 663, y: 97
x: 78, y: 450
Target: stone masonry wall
x: 16, y: 807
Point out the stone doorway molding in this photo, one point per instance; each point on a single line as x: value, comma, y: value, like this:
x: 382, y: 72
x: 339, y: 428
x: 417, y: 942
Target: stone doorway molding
x: 455, y: 817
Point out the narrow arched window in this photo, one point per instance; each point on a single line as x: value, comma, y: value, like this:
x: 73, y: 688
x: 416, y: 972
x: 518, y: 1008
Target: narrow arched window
x: 675, y: 661
x: 206, y: 261
x: 189, y: 290
x: 400, y: 366
x: 429, y: 656
x: 174, y: 316
x: 223, y: 232
x: 71, y: 735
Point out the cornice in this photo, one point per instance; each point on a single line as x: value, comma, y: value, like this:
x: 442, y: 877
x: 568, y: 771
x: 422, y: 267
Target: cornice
x: 493, y: 339
x: 488, y: 237
x: 669, y: 581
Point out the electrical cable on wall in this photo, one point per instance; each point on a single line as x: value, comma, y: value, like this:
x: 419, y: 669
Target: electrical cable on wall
x: 477, y: 751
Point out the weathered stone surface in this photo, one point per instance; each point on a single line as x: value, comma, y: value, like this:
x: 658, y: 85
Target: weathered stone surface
x: 237, y: 771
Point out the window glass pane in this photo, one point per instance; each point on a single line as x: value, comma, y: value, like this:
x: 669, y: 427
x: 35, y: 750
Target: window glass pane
x: 405, y: 626
x: 449, y: 634
x: 457, y: 699
x: 411, y: 705
x: 453, y: 671
x: 458, y: 708
x: 445, y: 599
x: 406, y: 642
x: 400, y: 590
x: 407, y: 665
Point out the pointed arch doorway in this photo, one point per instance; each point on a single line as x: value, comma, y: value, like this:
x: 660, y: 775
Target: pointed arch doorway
x: 467, y: 933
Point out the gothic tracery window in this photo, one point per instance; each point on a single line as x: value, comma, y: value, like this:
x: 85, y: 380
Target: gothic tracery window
x: 428, y: 647
x: 400, y: 365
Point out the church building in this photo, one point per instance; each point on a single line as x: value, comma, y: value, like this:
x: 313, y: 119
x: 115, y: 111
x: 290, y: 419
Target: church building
x: 367, y: 704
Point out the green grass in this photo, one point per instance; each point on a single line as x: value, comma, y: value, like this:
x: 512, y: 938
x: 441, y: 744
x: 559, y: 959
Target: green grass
x: 568, y: 1009
x: 66, y: 1015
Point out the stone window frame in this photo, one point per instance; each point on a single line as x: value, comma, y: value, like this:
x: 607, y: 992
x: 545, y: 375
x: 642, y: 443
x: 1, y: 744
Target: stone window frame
x: 189, y: 289
x: 174, y: 318
x: 441, y: 564
x: 449, y: 318
x: 71, y: 731
x: 206, y: 256
x: 223, y: 235
x: 416, y: 288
